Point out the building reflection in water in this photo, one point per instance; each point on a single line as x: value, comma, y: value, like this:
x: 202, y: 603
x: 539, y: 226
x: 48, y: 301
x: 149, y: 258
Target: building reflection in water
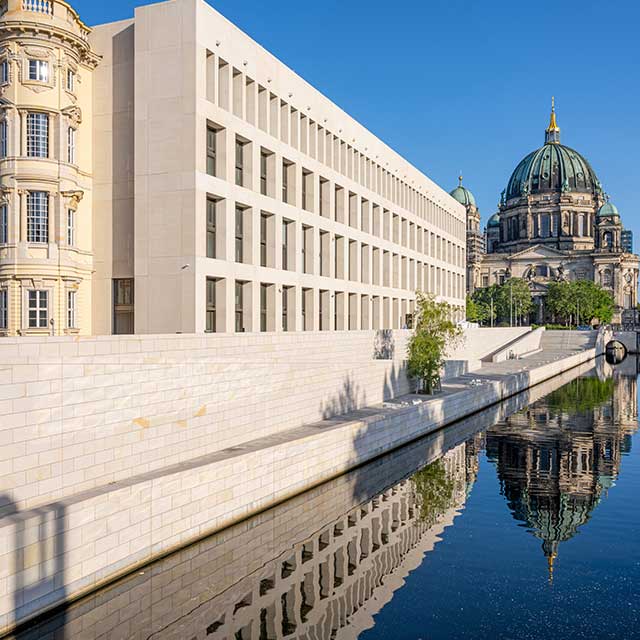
x: 343, y: 574
x: 556, y: 459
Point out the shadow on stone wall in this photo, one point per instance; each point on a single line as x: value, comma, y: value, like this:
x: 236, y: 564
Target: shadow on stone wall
x: 350, y: 397
x: 38, y: 571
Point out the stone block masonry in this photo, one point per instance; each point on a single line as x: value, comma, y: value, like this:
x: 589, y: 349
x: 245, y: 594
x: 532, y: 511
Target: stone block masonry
x: 156, y: 447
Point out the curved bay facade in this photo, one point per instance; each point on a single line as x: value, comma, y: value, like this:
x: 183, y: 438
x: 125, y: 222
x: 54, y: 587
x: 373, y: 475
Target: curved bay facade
x: 46, y: 66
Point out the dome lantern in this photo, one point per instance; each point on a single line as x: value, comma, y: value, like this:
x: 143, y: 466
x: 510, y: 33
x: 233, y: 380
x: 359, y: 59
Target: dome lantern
x: 463, y: 195
x: 552, y: 132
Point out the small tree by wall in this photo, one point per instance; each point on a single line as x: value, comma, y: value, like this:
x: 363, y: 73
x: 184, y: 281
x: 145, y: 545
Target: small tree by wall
x: 434, y: 332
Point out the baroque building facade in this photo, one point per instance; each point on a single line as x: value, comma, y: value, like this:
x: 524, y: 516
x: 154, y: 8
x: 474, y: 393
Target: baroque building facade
x: 163, y: 180
x: 555, y: 223
x: 46, y: 66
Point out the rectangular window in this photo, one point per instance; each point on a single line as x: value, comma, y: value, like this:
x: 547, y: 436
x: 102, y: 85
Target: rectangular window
x: 123, y: 310
x: 239, y: 233
x: 38, y: 135
x: 210, y: 325
x: 71, y: 80
x: 304, y: 309
x: 264, y: 162
x: 304, y: 189
x: 285, y: 181
x: 4, y: 224
x: 4, y: 309
x: 38, y: 216
x: 39, y: 70
x: 71, y: 309
x: 211, y: 228
x: 211, y: 151
x: 264, y: 294
x: 4, y: 71
x: 38, y: 309
x: 71, y: 227
x: 71, y: 145
x: 4, y: 138
x: 285, y: 308
x: 264, y: 227
x: 285, y: 244
x: 239, y: 163
x: 239, y: 307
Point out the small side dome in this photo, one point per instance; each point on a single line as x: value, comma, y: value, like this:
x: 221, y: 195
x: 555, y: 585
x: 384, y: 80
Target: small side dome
x: 608, y: 210
x: 494, y: 220
x: 463, y: 195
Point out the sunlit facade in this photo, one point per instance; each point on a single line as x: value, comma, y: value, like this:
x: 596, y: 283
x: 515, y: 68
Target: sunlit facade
x: 162, y: 180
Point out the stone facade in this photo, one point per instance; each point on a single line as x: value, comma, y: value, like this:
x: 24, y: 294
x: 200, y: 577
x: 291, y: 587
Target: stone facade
x: 46, y: 206
x: 193, y: 183
x: 555, y: 223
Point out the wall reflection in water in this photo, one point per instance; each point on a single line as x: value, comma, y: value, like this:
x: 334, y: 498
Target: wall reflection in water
x: 322, y: 565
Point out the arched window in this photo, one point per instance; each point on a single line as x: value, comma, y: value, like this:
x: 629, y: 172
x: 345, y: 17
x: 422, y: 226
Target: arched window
x: 607, y: 240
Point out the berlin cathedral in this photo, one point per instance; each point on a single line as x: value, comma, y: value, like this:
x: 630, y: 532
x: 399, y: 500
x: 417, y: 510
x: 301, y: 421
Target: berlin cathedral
x: 554, y: 223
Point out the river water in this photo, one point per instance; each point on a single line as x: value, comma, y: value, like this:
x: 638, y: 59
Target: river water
x: 520, y: 522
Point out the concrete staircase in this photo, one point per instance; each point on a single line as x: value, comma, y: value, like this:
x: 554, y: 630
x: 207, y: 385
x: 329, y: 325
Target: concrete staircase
x: 553, y: 341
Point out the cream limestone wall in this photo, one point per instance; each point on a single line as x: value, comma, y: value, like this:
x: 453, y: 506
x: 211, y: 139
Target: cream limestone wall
x: 52, y: 548
x: 387, y: 232
x: 113, y: 161
x: 49, y: 33
x: 80, y: 414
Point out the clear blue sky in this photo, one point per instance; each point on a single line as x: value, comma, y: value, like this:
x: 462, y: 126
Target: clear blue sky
x: 464, y: 85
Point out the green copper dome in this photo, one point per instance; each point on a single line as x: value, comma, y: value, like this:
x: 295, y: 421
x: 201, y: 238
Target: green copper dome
x: 553, y: 168
x: 463, y: 195
x: 494, y: 220
x: 608, y: 209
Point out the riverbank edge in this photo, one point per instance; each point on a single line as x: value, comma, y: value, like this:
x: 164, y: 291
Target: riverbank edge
x: 286, y: 465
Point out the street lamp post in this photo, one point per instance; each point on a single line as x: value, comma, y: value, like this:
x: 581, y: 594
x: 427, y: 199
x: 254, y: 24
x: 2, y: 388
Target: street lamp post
x: 511, y: 303
x: 491, y: 315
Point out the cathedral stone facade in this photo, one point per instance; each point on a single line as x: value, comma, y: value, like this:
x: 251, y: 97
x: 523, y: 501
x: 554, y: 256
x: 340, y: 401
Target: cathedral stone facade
x: 554, y: 223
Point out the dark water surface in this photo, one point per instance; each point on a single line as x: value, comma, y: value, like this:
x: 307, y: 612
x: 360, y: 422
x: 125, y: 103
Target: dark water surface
x: 521, y: 522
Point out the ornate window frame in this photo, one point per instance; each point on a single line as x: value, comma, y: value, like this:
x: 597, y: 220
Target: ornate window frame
x: 43, y: 54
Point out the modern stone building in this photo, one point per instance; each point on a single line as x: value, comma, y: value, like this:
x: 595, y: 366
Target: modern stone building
x: 166, y: 174
x: 555, y: 222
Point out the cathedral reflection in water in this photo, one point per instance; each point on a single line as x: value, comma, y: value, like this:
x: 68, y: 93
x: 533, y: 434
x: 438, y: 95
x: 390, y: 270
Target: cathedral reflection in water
x: 554, y: 471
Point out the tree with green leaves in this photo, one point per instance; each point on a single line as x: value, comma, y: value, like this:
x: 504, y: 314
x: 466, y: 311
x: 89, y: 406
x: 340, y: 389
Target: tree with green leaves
x: 513, y: 300
x: 434, y: 332
x: 579, y: 302
x: 482, y: 299
x: 558, y: 301
x: 477, y: 310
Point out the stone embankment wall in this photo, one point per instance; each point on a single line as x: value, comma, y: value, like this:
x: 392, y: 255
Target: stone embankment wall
x: 79, y: 414
x: 116, y: 449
